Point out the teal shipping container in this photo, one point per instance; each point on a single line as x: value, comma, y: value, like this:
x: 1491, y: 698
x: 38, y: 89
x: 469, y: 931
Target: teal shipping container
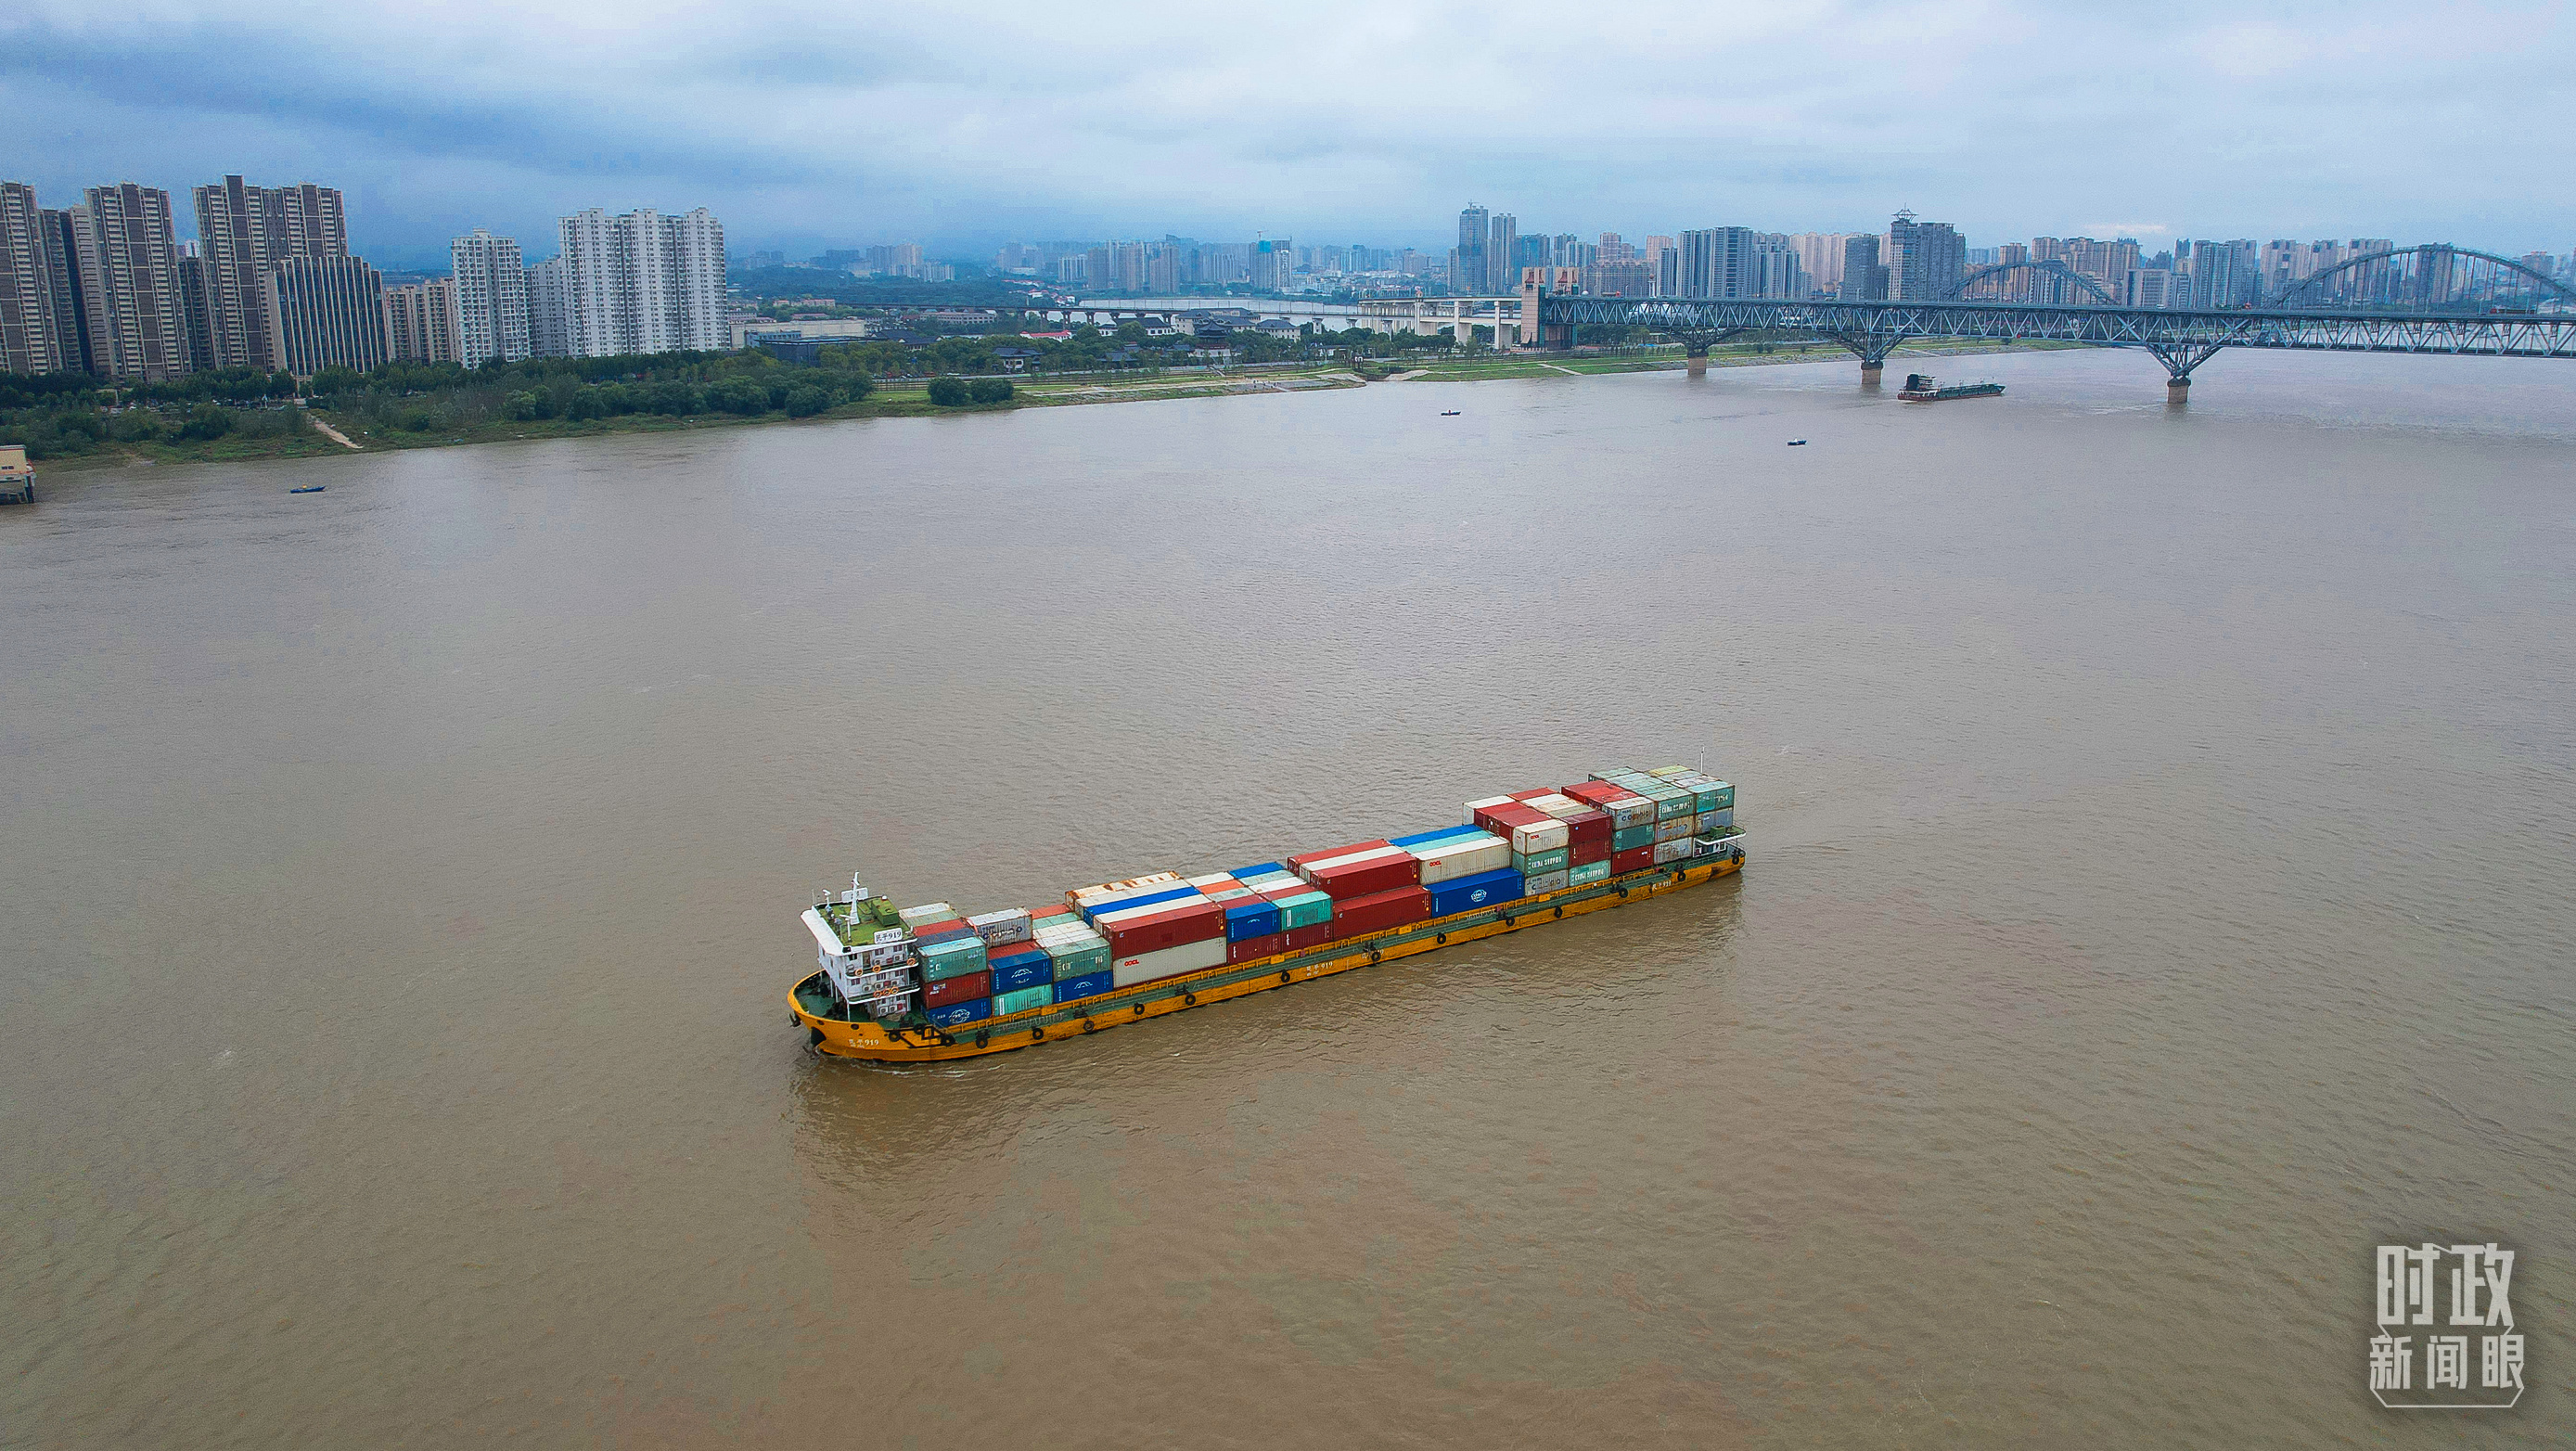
x: 1079, y: 958
x: 955, y: 957
x: 1633, y: 838
x: 1026, y: 998
x: 1306, y: 909
x: 1539, y: 863
x: 1588, y: 873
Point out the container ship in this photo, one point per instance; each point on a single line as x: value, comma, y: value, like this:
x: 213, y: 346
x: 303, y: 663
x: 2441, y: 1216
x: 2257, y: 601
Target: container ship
x: 1924, y: 388
x: 930, y: 983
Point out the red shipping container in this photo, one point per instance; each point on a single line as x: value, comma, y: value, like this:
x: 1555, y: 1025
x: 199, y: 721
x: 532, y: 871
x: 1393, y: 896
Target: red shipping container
x: 1381, y: 910
x: 1592, y: 825
x: 1361, y: 879
x: 1299, y: 862
x: 1535, y: 792
x: 1297, y: 888
x: 1253, y: 949
x: 1179, y: 927
x: 1501, y: 819
x: 1302, y: 939
x: 1587, y: 852
x: 1600, y: 793
x: 958, y: 989
x: 1634, y: 860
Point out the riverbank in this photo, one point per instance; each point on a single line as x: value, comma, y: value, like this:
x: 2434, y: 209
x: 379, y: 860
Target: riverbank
x: 334, y: 434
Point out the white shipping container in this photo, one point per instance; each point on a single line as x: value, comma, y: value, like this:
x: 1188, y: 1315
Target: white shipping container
x: 1548, y: 836
x: 1491, y: 801
x: 1100, y: 904
x: 1000, y: 929
x: 926, y: 912
x: 1667, y: 852
x: 1169, y: 962
x: 1559, y: 805
x: 1635, y: 811
x: 1544, y: 882
x: 1351, y: 859
x: 1080, y: 896
x: 1213, y: 881
x: 1462, y: 856
x: 1673, y: 829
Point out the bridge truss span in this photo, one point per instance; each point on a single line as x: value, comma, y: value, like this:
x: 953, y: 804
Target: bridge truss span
x: 2180, y: 339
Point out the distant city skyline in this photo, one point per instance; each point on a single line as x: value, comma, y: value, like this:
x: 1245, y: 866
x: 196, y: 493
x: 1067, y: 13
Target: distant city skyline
x: 809, y: 130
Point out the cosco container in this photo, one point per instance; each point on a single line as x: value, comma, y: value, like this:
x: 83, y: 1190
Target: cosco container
x: 1584, y: 874
x: 1379, y: 911
x: 1546, y: 882
x: 1090, y: 985
x: 955, y: 957
x: 1633, y: 860
x: 1466, y: 894
x: 1257, y: 916
x: 959, y: 1014
x: 1169, y: 962
x: 1005, y: 1004
x: 1536, y: 862
x: 957, y: 990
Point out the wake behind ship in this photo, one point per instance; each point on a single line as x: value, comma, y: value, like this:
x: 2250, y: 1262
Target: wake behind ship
x: 928, y: 983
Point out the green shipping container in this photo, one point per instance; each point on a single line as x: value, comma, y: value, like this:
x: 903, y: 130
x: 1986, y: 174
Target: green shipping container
x: 1588, y: 873
x: 1005, y: 1004
x: 1306, y: 909
x: 955, y: 957
x: 1717, y: 796
x: 1079, y: 960
x: 1540, y: 862
x: 1633, y: 838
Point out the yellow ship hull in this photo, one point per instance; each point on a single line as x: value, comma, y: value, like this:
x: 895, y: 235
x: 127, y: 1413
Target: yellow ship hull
x: 863, y: 1039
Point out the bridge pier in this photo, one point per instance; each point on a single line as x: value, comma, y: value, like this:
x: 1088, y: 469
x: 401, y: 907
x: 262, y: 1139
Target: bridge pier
x: 1872, y: 372
x: 2178, y: 390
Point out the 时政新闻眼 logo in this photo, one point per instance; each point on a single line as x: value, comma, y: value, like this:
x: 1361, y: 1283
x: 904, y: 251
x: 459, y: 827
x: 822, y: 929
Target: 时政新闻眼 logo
x: 2469, y: 1359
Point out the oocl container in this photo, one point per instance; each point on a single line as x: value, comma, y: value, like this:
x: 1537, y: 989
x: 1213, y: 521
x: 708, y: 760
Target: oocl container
x: 1005, y: 1004
x: 957, y: 990
x: 1545, y: 882
x: 1130, y: 970
x: 1379, y: 911
x: 1026, y: 967
x: 955, y: 1015
x: 1466, y: 894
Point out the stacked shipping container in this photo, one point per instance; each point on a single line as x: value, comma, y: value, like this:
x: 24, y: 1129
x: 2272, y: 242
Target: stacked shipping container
x: 1119, y: 934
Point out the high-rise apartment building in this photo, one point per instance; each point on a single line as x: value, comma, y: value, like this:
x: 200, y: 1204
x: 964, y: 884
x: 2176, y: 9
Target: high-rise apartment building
x: 324, y: 312
x: 2226, y: 274
x: 1502, y: 234
x: 1926, y: 260
x: 1821, y: 255
x: 245, y: 232
x: 550, y: 309
x: 1720, y: 262
x: 491, y: 299
x: 645, y: 282
x: 31, y: 340
x: 1468, y: 269
x: 2148, y: 287
x: 421, y: 322
x: 127, y: 266
x: 1864, y: 276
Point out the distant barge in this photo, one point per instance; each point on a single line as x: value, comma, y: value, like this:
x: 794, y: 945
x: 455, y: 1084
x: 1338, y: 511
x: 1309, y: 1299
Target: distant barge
x: 1924, y: 388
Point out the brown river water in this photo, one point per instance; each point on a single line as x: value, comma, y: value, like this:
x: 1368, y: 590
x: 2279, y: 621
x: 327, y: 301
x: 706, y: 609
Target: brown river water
x: 2161, y: 824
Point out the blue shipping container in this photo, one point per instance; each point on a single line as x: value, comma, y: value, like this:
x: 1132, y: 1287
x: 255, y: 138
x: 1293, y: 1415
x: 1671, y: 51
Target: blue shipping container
x: 952, y: 1015
x: 1242, y: 873
x: 1250, y: 919
x: 1485, y: 889
x: 1085, y: 987
x: 1425, y: 838
x: 1010, y: 974
x: 1124, y: 903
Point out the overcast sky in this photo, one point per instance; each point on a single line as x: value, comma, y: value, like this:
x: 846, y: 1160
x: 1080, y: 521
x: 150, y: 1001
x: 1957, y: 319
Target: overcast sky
x: 804, y: 125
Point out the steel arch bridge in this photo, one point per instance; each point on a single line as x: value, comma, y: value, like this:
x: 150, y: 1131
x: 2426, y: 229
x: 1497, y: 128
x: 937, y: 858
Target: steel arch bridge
x: 2181, y: 339
x: 2425, y: 270
x: 2057, y: 272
